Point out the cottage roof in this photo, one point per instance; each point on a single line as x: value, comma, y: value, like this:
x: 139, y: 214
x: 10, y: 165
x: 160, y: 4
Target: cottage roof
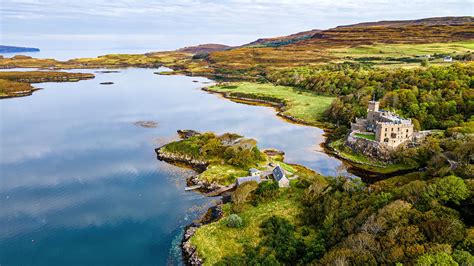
x: 242, y: 180
x: 278, y: 173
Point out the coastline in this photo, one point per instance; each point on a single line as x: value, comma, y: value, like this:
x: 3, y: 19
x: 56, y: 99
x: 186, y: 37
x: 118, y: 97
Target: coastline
x: 206, y: 188
x: 354, y: 167
x: 277, y: 104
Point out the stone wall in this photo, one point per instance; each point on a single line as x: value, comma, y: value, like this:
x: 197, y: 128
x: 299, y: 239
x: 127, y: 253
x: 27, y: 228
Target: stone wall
x: 372, y: 149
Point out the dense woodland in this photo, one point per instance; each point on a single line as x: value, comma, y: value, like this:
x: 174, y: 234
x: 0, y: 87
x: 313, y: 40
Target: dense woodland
x: 414, y: 219
x: 436, y: 97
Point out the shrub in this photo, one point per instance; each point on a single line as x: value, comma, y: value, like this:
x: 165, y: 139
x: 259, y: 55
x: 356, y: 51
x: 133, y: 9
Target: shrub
x: 463, y: 257
x: 266, y: 191
x: 240, y: 197
x: 234, y: 221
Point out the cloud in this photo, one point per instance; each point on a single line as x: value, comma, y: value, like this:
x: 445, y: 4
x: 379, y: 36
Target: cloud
x: 187, y: 22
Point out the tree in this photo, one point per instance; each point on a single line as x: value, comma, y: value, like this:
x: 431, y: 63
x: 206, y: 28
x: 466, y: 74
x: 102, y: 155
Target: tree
x: 448, y: 189
x: 463, y: 257
x: 436, y: 259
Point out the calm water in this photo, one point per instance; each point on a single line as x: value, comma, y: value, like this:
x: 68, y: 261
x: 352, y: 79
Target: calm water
x: 66, y: 54
x: 80, y: 182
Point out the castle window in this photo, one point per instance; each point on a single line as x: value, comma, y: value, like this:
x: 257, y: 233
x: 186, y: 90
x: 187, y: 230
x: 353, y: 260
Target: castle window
x: 407, y: 136
x: 398, y: 129
x: 385, y: 129
x: 407, y: 130
x: 385, y: 140
x: 385, y: 134
x: 393, y: 136
x: 392, y: 128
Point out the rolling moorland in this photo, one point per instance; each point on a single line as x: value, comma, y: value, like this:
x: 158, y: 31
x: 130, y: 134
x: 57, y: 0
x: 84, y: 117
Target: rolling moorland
x: 327, y: 78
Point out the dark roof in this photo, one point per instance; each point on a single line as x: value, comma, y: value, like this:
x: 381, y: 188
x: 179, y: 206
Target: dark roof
x: 242, y: 180
x: 278, y: 173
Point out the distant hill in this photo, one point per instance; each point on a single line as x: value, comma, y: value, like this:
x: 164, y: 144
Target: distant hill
x: 284, y: 40
x: 444, y: 29
x: 363, y: 42
x: 16, y: 49
x: 426, y: 22
x: 204, y: 48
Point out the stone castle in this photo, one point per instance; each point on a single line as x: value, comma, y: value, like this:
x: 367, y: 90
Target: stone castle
x: 384, y: 126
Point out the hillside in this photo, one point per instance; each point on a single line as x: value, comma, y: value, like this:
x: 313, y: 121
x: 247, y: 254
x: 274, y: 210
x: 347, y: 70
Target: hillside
x: 425, y: 21
x: 383, y: 43
x: 204, y: 48
x: 388, y: 44
x: 284, y: 40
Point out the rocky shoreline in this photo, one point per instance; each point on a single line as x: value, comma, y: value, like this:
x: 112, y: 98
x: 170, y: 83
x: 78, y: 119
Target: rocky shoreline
x: 190, y: 255
x: 365, y: 174
x: 196, y: 165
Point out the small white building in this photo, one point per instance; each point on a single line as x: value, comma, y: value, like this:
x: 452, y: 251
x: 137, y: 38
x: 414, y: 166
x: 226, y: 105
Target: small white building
x: 448, y: 59
x: 280, y: 177
x: 254, y: 172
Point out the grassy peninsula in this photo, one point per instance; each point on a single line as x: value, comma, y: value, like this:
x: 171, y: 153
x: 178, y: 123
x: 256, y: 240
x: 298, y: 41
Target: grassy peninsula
x: 221, y: 159
x: 18, y: 83
x: 295, y: 104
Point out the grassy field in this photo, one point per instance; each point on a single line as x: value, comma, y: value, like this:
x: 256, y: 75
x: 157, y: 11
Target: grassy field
x: 366, y: 136
x: 402, y: 50
x: 365, y: 163
x: 215, y: 241
x: 301, y: 105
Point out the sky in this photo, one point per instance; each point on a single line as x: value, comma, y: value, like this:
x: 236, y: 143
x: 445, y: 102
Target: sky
x: 170, y: 24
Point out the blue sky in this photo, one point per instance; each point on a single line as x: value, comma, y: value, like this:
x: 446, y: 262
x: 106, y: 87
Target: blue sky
x: 169, y: 24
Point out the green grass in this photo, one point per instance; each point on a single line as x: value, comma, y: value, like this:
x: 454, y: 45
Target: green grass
x: 366, y: 136
x: 360, y: 161
x: 225, y: 174
x: 303, y: 105
x: 402, y: 50
x: 215, y: 241
x: 222, y: 174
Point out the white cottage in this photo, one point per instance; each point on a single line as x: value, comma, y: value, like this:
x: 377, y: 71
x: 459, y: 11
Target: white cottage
x: 280, y: 177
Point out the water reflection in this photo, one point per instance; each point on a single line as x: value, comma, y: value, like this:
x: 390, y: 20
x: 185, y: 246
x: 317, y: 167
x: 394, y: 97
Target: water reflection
x: 80, y: 183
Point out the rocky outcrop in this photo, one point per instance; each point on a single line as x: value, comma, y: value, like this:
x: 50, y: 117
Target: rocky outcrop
x: 273, y: 152
x: 187, y: 133
x: 205, y: 186
x: 173, y: 158
x: 372, y: 149
x: 191, y: 257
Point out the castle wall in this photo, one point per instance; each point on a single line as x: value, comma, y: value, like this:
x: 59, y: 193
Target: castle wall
x: 393, y: 134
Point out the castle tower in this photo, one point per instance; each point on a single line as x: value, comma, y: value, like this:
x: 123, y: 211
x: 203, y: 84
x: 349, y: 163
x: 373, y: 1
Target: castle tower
x: 374, y: 106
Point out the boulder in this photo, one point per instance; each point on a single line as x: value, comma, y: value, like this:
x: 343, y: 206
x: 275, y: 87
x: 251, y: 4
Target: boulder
x: 187, y: 133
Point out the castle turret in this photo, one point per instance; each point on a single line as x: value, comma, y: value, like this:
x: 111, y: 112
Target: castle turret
x: 374, y: 106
